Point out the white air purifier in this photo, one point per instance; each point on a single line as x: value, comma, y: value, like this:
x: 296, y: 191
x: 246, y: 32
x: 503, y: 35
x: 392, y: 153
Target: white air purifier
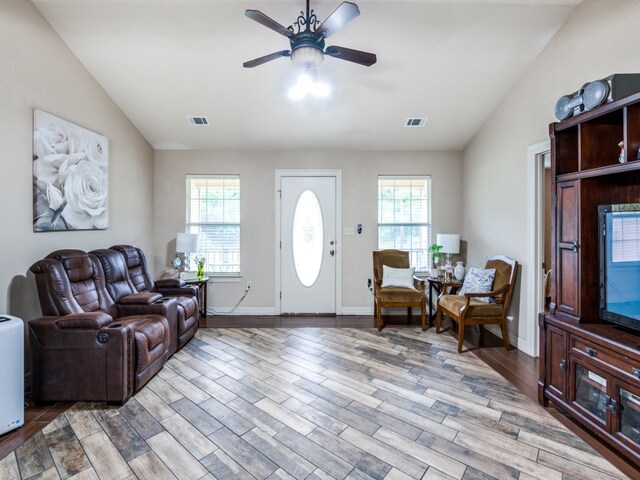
x: 11, y: 373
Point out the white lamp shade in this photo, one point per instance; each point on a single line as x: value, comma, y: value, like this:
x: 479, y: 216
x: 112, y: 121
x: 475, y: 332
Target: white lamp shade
x: 450, y: 242
x: 187, y: 242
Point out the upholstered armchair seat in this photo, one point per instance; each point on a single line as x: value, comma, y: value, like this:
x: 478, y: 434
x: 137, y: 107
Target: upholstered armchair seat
x: 475, y: 308
x: 394, y: 294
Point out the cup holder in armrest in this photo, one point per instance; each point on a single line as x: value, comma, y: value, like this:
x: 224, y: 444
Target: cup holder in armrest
x: 115, y: 325
x: 163, y: 300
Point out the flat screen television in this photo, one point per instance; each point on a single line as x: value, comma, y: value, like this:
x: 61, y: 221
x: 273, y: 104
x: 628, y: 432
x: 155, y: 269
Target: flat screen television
x: 619, y: 253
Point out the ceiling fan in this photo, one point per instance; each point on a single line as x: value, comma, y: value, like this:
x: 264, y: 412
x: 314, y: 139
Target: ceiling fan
x: 307, y: 35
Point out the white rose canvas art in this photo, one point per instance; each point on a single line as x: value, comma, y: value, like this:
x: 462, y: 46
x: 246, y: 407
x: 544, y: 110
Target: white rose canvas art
x: 70, y: 176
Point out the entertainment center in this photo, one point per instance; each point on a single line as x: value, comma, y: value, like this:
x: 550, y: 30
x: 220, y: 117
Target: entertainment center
x: 590, y: 366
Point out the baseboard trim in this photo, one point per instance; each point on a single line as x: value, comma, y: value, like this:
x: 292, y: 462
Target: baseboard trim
x: 272, y: 311
x: 357, y: 310
x: 249, y: 311
x: 241, y: 311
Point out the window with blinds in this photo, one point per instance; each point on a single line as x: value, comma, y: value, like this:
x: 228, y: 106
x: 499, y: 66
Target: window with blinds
x: 213, y: 212
x: 625, y: 241
x: 404, y: 216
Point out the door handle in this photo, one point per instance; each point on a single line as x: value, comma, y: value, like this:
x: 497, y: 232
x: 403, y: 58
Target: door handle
x: 610, y: 404
x: 332, y: 252
x: 574, y: 246
x: 331, y: 242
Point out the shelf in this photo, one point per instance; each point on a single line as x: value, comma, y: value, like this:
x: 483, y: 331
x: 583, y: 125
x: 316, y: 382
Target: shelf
x: 599, y: 139
x: 599, y: 171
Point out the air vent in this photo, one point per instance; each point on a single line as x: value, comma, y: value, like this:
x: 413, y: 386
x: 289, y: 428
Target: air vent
x: 415, y: 122
x: 198, y: 121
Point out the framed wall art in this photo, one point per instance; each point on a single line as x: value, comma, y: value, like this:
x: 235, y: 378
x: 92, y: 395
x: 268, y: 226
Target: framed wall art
x: 70, y: 176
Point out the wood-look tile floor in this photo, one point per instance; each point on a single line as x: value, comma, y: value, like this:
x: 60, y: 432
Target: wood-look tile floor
x: 313, y: 403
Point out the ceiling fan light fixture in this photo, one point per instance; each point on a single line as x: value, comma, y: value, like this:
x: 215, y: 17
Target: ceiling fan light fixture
x: 307, y: 85
x: 307, y: 58
x: 320, y: 89
x: 298, y: 92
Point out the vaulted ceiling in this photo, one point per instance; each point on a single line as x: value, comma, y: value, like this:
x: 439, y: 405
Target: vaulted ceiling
x: 451, y: 61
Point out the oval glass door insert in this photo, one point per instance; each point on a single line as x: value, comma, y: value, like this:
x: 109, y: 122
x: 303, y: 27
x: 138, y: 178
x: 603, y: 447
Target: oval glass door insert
x: 307, y: 241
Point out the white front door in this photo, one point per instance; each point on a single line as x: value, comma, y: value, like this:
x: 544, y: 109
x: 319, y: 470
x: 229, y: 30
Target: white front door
x: 308, y: 244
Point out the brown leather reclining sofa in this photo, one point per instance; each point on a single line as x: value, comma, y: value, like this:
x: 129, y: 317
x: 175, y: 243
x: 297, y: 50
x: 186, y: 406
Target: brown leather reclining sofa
x: 99, y: 339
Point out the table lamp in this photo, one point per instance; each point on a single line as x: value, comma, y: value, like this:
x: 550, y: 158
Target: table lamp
x: 187, y: 243
x: 450, y: 243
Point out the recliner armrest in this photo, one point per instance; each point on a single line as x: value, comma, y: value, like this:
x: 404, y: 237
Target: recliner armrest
x: 83, y: 321
x: 186, y: 291
x: 170, y: 283
x: 141, y: 298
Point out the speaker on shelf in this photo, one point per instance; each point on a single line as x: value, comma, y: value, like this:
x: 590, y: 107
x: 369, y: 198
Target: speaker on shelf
x: 596, y: 93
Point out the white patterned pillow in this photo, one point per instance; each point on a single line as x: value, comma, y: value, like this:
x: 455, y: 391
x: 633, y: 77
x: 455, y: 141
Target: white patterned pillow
x: 479, y: 280
x: 397, y: 277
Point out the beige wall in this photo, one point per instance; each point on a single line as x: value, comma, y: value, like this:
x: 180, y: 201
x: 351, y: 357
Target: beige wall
x: 257, y: 183
x: 39, y: 71
x: 601, y: 37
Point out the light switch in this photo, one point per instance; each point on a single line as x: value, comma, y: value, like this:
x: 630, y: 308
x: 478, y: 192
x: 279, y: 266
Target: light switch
x: 349, y: 231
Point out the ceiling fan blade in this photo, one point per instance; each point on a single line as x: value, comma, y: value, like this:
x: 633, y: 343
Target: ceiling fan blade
x: 342, y: 15
x: 267, y: 58
x: 268, y: 22
x: 356, y: 56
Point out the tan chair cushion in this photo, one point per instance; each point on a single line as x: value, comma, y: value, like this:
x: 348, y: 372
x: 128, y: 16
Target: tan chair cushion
x: 454, y: 303
x: 394, y: 294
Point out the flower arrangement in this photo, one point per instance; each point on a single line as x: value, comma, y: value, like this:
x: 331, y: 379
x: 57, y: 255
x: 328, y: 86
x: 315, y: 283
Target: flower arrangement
x: 436, y: 254
x: 70, y: 176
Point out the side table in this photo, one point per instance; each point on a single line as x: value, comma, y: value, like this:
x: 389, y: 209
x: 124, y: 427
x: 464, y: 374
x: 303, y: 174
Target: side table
x: 202, y: 292
x: 435, y: 284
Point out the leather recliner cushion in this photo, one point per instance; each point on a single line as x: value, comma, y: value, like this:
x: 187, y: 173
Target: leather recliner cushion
x: 136, y: 266
x: 152, y: 338
x: 190, y: 317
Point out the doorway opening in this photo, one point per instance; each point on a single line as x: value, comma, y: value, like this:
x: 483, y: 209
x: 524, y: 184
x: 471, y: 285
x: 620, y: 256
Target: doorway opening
x: 538, y: 273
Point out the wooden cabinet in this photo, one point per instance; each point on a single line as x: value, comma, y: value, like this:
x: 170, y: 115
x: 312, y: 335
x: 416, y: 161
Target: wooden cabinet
x: 556, y: 346
x: 592, y: 372
x: 590, y: 369
x: 568, y: 266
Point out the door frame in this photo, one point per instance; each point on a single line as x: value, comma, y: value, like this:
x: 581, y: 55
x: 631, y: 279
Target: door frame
x: 337, y: 174
x: 535, y: 243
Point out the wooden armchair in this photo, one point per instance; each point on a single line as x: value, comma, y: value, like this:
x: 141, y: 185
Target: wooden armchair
x: 395, y: 296
x: 466, y: 311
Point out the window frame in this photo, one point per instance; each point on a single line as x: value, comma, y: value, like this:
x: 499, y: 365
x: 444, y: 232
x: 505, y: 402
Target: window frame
x: 219, y: 276
x: 428, y: 224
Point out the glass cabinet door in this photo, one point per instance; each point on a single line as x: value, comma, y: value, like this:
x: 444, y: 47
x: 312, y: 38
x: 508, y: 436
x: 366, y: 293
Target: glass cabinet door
x: 630, y: 415
x: 591, y: 393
